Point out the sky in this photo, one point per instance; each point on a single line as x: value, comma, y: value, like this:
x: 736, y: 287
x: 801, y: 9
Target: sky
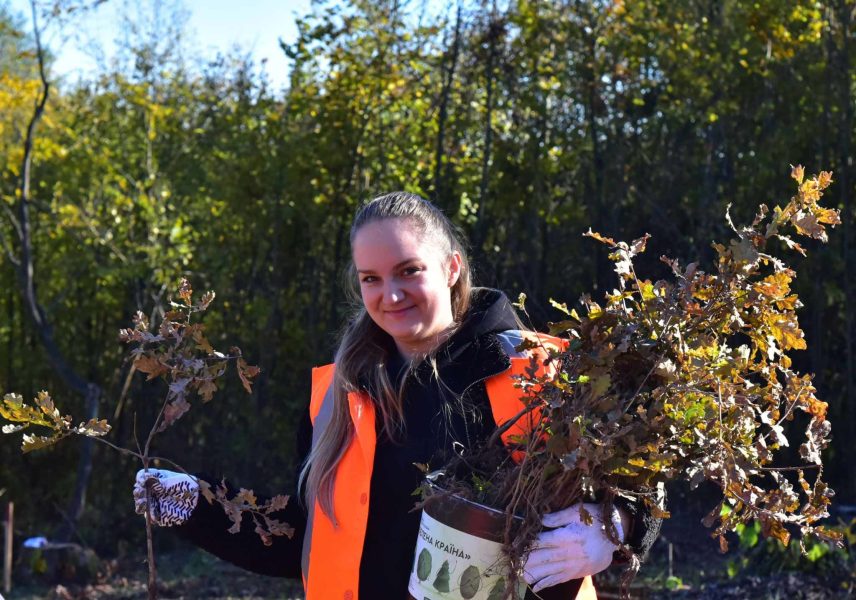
x: 254, y: 25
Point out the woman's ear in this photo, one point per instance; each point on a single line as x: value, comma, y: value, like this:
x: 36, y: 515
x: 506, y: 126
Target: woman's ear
x: 455, y: 263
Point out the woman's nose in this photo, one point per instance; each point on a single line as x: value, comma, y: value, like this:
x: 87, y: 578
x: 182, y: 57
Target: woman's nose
x: 393, y: 294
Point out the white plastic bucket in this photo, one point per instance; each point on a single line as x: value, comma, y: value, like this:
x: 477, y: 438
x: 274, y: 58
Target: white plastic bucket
x: 459, y: 552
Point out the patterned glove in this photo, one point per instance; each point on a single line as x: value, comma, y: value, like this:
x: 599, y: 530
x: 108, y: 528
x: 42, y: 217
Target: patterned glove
x: 572, y: 550
x: 173, y: 496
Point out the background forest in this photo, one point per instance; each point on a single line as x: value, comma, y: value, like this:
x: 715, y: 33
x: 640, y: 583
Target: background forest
x: 527, y: 121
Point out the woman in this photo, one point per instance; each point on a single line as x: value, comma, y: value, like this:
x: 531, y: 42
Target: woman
x: 409, y: 386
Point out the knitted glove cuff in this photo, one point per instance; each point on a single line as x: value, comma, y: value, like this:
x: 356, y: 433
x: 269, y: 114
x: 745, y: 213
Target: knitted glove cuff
x: 172, y: 496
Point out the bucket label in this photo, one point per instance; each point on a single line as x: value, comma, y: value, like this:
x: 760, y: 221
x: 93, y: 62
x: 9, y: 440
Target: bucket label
x: 449, y: 563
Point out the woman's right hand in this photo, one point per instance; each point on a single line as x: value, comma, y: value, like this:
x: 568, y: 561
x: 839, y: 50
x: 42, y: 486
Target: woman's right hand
x: 172, y: 496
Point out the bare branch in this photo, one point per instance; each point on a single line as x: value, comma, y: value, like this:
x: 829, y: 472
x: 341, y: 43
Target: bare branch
x: 11, y: 215
x: 10, y: 255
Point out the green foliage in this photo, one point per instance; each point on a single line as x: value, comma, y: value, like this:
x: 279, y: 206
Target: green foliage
x: 819, y: 557
x: 748, y: 534
x: 673, y: 583
x: 624, y: 117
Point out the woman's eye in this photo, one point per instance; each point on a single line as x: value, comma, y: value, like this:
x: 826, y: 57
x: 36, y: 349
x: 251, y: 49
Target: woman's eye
x: 412, y: 270
x: 368, y: 279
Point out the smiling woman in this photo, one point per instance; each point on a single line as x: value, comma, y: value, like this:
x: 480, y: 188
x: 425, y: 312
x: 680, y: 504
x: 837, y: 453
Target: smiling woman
x: 409, y: 385
x: 405, y: 278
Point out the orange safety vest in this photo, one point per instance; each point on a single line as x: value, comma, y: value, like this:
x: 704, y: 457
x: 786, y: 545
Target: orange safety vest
x: 332, y: 552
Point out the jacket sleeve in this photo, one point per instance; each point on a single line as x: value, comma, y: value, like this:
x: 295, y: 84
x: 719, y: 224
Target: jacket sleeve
x: 644, y: 530
x: 208, y: 527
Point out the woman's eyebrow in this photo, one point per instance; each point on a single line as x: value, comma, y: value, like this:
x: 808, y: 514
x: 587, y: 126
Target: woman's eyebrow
x: 396, y: 266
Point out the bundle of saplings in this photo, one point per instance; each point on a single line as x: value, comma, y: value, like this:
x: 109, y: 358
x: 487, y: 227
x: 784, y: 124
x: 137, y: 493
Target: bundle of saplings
x: 686, y: 378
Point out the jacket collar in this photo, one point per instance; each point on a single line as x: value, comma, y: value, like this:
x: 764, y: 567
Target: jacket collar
x: 474, y: 353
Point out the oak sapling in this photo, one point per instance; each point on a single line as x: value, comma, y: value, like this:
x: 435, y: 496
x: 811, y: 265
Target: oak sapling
x: 179, y: 354
x: 686, y: 378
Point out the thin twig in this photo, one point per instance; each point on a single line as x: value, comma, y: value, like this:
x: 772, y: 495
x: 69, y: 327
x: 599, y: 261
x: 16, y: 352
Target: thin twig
x: 172, y: 464
x: 154, y: 428
x: 10, y: 256
x: 12, y: 219
x: 150, y: 551
x: 137, y: 439
x: 124, y: 393
x: 798, y: 468
x: 792, y: 405
x: 119, y: 448
x: 511, y: 422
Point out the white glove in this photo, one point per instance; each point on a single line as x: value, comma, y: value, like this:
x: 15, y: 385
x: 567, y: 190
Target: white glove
x: 173, y: 496
x: 572, y: 550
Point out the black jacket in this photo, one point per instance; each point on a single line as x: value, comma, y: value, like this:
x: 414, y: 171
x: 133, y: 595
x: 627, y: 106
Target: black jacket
x: 441, y: 416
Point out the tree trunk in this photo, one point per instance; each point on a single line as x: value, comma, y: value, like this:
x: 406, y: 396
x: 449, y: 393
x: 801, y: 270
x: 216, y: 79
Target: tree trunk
x: 480, y: 235
x: 818, y: 342
x: 10, y: 346
x: 448, y: 79
x: 601, y: 274
x: 34, y: 310
x: 845, y: 132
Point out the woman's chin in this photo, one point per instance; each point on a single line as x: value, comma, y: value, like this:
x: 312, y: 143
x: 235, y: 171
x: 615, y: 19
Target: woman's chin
x: 411, y: 340
x: 406, y: 336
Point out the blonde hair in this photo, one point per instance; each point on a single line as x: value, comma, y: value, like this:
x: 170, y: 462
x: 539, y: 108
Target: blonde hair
x: 364, y: 348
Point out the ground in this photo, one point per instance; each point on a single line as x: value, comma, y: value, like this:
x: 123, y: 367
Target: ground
x: 698, y: 570
x: 184, y: 574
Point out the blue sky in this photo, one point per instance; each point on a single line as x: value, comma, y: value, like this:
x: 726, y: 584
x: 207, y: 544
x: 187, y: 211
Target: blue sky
x: 255, y: 25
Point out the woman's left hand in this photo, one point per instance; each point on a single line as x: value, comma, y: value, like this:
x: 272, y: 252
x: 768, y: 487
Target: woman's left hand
x: 570, y: 549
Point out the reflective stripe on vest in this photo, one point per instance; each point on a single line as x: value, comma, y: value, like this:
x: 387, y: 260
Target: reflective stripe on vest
x: 332, y: 553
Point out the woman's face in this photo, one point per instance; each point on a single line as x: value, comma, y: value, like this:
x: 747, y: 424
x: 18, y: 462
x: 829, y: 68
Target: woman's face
x: 405, y: 281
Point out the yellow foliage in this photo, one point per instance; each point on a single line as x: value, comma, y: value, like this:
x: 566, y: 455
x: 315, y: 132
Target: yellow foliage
x: 17, y: 99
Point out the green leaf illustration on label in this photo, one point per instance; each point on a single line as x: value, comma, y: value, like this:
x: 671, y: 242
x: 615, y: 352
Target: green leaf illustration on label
x: 470, y: 582
x: 497, y: 592
x: 423, y: 565
x: 441, y: 582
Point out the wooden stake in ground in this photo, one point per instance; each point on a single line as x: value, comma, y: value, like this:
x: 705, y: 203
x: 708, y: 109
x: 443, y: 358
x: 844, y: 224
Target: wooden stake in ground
x: 9, y: 530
